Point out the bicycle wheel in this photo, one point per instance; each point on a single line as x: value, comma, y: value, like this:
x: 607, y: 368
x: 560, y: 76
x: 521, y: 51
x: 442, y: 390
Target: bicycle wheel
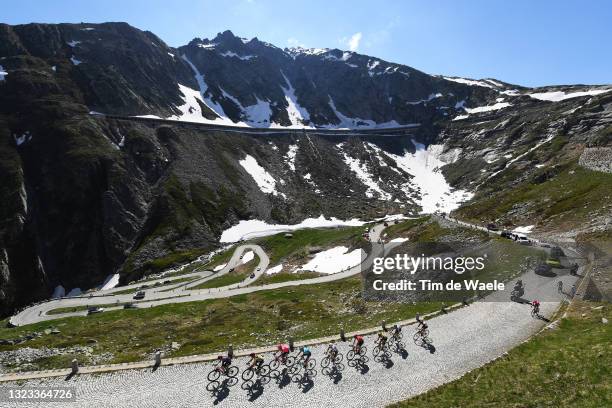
x: 376, y: 351
x: 247, y: 374
x: 325, y: 362
x: 233, y: 371
x: 212, y: 386
x: 290, y: 361
x: 294, y: 369
x: 247, y: 385
x: 363, y: 351
x: 310, y: 373
x: 231, y: 381
x: 311, y: 364
x: 213, y: 375
x: 264, y: 379
x: 274, y: 364
x: 338, y: 358
x: 350, y: 355
x: 264, y: 371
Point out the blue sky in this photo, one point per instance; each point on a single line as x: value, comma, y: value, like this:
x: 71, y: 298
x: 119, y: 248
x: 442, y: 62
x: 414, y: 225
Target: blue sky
x: 536, y: 42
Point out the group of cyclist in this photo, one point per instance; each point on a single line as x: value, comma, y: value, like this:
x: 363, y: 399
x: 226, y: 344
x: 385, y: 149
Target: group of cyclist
x: 519, y: 290
x: 283, y: 350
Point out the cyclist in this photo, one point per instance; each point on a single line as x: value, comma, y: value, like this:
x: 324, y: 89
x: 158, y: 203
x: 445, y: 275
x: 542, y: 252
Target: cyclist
x: 560, y: 287
x: 256, y: 361
x: 283, y: 352
x: 536, y: 306
x: 307, y: 354
x: 396, y: 331
x: 382, y: 338
x: 422, y: 328
x: 357, y: 343
x: 518, y: 286
x: 332, y: 351
x: 224, y: 363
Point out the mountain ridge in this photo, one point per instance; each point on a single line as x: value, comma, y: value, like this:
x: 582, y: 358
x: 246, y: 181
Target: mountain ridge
x: 86, y: 196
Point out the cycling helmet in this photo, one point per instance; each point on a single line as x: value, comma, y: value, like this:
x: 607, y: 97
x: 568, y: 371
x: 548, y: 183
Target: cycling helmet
x: 252, y: 354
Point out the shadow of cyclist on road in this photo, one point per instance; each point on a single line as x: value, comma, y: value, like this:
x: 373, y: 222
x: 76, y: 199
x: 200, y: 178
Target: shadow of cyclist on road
x: 306, y: 384
x: 221, y: 393
x: 283, y: 379
x: 255, y: 391
x: 334, y: 373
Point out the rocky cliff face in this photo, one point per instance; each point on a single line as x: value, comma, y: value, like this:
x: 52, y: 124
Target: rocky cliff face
x: 84, y: 196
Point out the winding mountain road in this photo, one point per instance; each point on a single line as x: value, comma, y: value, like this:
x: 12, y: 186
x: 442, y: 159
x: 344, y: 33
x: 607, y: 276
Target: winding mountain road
x: 184, y: 292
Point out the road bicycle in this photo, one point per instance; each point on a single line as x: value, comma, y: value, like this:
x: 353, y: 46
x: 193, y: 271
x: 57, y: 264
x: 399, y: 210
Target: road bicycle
x: 261, y: 370
x: 282, y: 359
x: 330, y: 359
x: 230, y: 373
x: 356, y: 352
x: 421, y: 337
x: 300, y: 361
x: 381, y: 350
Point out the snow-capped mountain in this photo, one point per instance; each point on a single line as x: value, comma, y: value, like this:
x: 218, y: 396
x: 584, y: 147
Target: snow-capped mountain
x: 85, y: 196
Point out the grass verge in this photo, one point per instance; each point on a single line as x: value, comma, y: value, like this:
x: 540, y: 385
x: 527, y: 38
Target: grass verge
x: 248, y: 320
x: 565, y: 367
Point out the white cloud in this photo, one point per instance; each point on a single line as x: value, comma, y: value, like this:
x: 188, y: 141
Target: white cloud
x: 353, y: 42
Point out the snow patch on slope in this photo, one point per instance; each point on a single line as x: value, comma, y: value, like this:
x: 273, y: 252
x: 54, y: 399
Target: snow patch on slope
x: 290, y: 156
x: 471, y: 82
x: 333, y: 260
x: 247, y: 229
x: 556, y: 96
x: 263, y: 179
x: 259, y: 113
x: 297, y: 114
x: 363, y: 174
x: 480, y: 109
x: 234, y: 55
x: 215, y: 107
x: 110, y: 282
x: 436, y: 193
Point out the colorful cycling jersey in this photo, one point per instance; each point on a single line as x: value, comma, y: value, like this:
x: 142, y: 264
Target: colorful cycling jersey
x: 284, y: 348
x: 306, y: 351
x: 359, y: 340
x: 226, y: 361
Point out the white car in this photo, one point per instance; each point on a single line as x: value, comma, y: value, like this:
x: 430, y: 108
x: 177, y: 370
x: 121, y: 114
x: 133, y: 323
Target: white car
x: 523, y: 240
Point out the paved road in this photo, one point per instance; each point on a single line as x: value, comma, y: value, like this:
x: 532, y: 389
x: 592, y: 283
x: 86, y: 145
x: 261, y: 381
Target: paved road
x: 183, y: 292
x: 464, y: 340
